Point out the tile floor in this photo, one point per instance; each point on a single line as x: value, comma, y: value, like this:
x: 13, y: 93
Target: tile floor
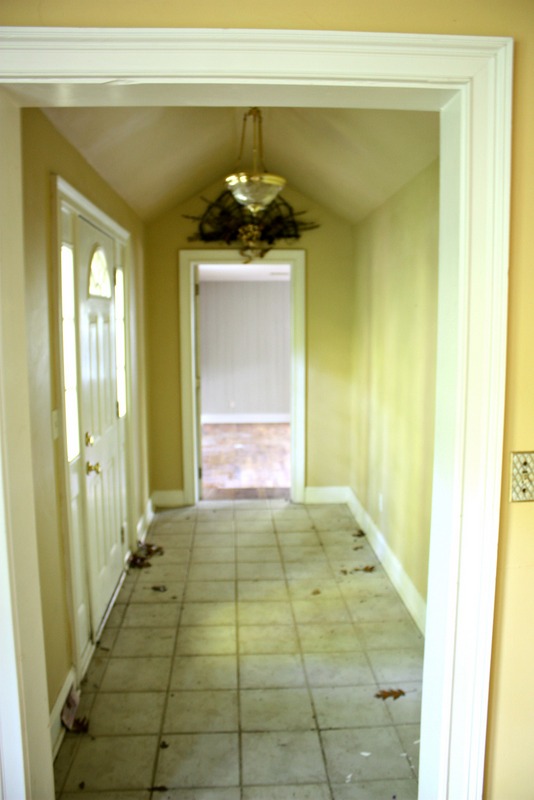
x: 244, y: 663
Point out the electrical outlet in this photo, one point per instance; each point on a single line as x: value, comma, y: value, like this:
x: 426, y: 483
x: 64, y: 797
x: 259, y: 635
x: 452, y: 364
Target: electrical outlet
x: 522, y: 488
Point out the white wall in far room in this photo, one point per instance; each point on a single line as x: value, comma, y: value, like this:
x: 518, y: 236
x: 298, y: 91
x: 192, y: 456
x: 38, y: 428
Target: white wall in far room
x: 245, y: 351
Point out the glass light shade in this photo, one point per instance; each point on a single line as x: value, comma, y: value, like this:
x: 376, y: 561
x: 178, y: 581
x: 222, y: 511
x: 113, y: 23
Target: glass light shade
x: 255, y: 191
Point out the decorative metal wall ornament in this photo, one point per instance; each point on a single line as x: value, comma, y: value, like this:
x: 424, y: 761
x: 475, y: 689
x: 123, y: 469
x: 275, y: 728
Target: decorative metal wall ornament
x: 226, y: 220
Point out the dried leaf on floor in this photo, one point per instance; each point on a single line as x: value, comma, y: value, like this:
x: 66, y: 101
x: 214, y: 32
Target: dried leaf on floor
x: 367, y: 568
x: 358, y: 534
x: 359, y: 547
x: 160, y: 588
x: 80, y: 725
x: 316, y: 591
x: 164, y: 745
x: 147, y: 549
x: 139, y: 562
x: 383, y: 694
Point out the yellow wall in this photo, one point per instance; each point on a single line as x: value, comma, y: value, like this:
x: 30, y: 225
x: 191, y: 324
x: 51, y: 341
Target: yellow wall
x: 510, y: 770
x: 329, y: 323
x: 45, y: 152
x: 396, y: 265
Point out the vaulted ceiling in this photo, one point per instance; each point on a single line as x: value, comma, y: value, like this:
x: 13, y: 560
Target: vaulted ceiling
x: 347, y: 160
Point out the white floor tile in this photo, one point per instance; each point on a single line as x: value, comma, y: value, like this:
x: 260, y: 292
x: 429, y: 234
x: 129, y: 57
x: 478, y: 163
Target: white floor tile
x: 254, y: 644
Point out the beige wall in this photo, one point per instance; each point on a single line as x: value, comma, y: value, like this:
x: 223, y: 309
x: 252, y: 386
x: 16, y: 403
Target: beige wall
x: 45, y: 153
x: 396, y: 266
x: 329, y: 322
x: 510, y: 767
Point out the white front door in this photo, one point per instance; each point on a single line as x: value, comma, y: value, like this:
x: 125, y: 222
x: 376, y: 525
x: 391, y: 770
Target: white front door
x: 99, y: 418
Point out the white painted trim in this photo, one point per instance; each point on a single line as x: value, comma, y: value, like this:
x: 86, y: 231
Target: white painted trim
x: 394, y: 569
x: 244, y: 419
x: 392, y: 566
x: 12, y: 777
x: 57, y: 731
x: 326, y: 494
x: 470, y: 80
x: 143, y: 523
x: 168, y: 499
x: 25, y: 747
x: 83, y: 206
x: 297, y: 263
x: 67, y: 196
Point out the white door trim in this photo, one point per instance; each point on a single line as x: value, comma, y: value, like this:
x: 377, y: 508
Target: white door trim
x: 297, y: 262
x: 469, y: 79
x: 69, y: 198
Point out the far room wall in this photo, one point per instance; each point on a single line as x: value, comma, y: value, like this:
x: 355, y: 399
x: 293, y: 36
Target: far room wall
x: 245, y: 340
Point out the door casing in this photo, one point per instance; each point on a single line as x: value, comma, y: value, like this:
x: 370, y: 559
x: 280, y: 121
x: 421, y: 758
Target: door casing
x: 69, y: 201
x: 189, y: 259
x: 469, y: 80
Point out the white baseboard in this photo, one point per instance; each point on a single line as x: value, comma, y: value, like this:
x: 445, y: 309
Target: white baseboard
x: 327, y: 494
x: 57, y: 731
x: 169, y: 499
x: 144, y: 521
x: 243, y: 419
x: 410, y: 596
x: 392, y: 566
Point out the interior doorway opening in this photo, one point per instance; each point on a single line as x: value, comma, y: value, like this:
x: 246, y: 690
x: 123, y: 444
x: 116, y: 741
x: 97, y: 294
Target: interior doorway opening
x: 243, y: 348
x: 284, y: 271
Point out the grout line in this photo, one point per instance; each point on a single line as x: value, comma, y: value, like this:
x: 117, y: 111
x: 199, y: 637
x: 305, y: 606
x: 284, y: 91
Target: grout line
x: 173, y: 656
x: 304, y: 671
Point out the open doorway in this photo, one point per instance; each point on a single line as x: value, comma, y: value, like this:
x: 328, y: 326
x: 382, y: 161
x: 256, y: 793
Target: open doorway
x: 471, y: 84
x: 286, y: 269
x: 243, y: 353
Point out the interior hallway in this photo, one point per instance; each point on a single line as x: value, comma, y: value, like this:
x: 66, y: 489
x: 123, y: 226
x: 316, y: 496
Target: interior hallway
x: 243, y: 664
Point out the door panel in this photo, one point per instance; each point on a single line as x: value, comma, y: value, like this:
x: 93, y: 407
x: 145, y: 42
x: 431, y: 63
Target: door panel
x: 99, y: 422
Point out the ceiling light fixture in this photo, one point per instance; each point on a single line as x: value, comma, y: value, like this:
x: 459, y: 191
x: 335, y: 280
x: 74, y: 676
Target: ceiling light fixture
x: 254, y: 188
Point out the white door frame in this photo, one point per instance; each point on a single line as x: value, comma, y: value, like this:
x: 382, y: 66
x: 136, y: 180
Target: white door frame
x: 296, y: 259
x: 70, y: 199
x: 468, y: 79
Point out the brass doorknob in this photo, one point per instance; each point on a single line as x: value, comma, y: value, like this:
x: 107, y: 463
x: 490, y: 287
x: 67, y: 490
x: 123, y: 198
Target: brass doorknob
x: 93, y: 468
x: 89, y: 439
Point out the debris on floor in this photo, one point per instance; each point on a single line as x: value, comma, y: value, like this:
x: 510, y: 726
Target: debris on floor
x: 367, y: 568
x: 68, y: 712
x: 80, y: 725
x: 139, y: 562
x: 141, y: 558
x: 383, y: 694
x: 159, y: 588
x: 148, y: 550
x: 69, y: 719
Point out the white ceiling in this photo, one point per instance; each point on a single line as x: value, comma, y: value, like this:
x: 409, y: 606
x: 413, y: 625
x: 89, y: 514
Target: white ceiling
x: 347, y: 160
